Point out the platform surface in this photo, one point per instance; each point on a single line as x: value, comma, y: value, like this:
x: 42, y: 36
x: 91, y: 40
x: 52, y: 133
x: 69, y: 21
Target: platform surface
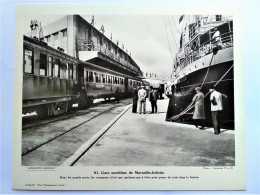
x: 148, y: 140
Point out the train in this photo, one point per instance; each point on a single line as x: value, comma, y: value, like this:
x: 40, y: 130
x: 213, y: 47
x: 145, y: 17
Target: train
x: 53, y: 81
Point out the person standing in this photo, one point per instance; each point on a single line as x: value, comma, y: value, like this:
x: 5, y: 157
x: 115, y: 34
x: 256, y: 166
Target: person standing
x: 135, y: 99
x: 216, y: 109
x: 153, y: 99
x: 142, y: 99
x: 199, y: 113
x: 117, y: 94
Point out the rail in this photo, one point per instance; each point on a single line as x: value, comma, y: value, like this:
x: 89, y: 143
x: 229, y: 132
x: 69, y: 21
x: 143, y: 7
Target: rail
x: 194, y: 29
x: 223, y: 41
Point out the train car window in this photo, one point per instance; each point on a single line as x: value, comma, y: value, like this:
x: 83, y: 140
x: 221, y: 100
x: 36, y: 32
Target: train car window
x: 70, y: 71
x: 56, y: 68
x: 130, y: 82
x: 90, y: 76
x: 43, y: 64
x: 95, y: 76
x: 74, y: 72
x: 99, y: 77
x: 28, y: 61
x: 103, y: 78
x: 67, y: 71
x: 50, y: 73
x: 86, y: 76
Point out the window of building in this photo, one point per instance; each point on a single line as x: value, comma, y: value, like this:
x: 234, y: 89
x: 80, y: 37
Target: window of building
x: 218, y: 17
x: 56, y: 36
x: 43, y: 64
x: 56, y: 70
x: 48, y: 39
x: 50, y: 66
x: 64, y: 33
x: 74, y: 72
x: 28, y: 61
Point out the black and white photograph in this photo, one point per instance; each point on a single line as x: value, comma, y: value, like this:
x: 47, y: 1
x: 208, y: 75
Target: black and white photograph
x: 127, y: 97
x: 147, y: 90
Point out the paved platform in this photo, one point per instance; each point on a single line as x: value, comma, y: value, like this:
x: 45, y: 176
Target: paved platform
x: 149, y: 140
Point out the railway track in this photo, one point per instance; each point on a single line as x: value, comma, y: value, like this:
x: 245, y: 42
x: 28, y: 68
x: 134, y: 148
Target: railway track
x: 86, y: 146
x: 28, y: 151
x: 34, y: 121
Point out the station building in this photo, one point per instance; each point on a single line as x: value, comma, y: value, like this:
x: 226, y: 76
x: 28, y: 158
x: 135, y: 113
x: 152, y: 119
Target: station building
x: 78, y: 38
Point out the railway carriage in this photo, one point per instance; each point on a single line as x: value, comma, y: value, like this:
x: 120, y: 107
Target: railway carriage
x: 98, y: 82
x: 49, y: 79
x: 53, y: 80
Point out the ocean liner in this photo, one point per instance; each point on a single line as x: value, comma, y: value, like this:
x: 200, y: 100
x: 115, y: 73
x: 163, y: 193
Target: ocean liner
x: 204, y: 59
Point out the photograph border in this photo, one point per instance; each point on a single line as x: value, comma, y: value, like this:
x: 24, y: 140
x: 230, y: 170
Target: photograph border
x: 238, y: 173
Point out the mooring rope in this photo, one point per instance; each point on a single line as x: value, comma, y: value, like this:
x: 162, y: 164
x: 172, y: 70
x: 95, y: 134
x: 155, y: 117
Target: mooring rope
x: 174, y: 118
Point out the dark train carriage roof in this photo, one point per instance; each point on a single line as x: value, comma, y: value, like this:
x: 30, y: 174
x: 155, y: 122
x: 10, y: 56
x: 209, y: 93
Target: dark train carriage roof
x: 43, y: 45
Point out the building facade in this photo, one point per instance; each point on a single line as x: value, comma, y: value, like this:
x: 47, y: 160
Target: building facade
x: 78, y: 38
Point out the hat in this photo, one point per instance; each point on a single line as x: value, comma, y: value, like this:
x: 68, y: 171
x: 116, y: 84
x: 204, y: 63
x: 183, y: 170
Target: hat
x: 211, y: 90
x: 197, y: 88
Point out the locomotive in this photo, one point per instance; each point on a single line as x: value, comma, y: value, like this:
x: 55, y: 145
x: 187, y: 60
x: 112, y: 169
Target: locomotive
x: 53, y: 81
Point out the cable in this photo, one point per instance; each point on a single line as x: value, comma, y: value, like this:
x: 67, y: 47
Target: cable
x: 189, y: 108
x: 168, y: 39
x: 175, y: 25
x: 174, y: 118
x: 172, y: 32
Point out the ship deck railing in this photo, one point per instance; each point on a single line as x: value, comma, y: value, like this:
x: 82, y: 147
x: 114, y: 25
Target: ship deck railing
x: 225, y: 40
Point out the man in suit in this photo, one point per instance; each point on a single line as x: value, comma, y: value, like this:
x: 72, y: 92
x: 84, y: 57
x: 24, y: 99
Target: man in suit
x: 153, y: 99
x: 142, y: 99
x: 135, y: 99
x: 117, y: 94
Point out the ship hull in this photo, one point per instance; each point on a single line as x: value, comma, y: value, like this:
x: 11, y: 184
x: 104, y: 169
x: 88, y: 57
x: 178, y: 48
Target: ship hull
x: 184, y: 91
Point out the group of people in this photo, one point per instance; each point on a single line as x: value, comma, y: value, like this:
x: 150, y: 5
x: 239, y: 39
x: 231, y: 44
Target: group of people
x: 216, y: 108
x: 140, y: 96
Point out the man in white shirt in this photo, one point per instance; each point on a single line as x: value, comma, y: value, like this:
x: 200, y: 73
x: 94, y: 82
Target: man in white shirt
x: 142, y: 93
x: 216, y: 109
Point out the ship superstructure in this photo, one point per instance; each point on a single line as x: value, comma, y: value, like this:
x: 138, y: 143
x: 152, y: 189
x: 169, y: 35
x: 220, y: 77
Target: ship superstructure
x: 204, y: 59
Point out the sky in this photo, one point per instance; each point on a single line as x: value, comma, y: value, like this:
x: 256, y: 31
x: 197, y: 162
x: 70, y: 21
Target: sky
x: 144, y: 36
